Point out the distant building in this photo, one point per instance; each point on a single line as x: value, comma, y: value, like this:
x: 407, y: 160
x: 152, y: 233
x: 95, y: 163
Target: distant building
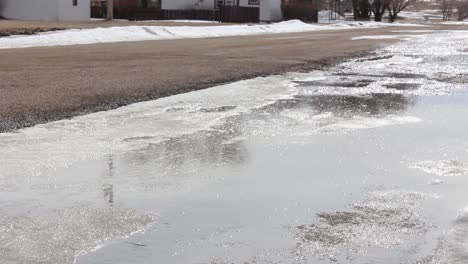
x: 129, y: 3
x: 46, y: 9
x: 270, y: 10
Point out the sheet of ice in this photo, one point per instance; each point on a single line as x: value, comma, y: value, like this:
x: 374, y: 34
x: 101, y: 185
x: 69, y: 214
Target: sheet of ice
x: 385, y: 219
x: 359, y: 122
x: 75, y: 231
x: 61, y: 143
x: 445, y: 168
x: 402, y: 37
x: 142, y: 33
x: 453, y: 245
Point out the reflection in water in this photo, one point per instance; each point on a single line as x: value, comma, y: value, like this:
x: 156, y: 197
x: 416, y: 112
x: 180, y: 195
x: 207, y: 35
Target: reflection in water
x: 209, y: 148
x: 222, y: 144
x: 108, y: 187
x: 345, y: 105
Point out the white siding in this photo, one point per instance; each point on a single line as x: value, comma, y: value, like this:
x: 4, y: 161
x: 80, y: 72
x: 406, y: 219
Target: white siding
x: 270, y: 10
x: 66, y: 10
x: 30, y: 9
x: 46, y: 9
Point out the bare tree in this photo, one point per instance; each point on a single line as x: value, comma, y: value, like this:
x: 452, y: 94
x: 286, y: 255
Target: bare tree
x: 462, y: 9
x: 379, y: 7
x: 361, y: 9
x: 110, y: 9
x: 396, y: 6
x: 446, y: 7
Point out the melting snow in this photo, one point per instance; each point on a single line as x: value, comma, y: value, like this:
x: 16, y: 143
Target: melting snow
x: 444, y: 168
x: 141, y: 33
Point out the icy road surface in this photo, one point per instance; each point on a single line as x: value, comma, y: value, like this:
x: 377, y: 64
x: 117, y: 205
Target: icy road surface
x: 364, y: 163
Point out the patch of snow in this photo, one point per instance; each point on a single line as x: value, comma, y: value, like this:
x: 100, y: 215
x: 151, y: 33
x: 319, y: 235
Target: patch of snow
x: 142, y: 33
x: 461, y: 23
x: 444, y: 168
x: 181, y: 21
x: 402, y: 37
x: 361, y: 122
x: 414, y: 31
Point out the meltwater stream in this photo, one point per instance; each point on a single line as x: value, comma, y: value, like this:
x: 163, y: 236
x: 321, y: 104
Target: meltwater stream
x: 366, y: 162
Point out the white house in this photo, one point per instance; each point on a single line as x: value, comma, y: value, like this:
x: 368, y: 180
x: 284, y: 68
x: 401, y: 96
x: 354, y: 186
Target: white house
x: 46, y: 9
x: 270, y: 10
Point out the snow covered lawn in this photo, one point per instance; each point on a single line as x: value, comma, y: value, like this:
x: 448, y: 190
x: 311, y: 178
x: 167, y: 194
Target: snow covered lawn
x: 141, y: 33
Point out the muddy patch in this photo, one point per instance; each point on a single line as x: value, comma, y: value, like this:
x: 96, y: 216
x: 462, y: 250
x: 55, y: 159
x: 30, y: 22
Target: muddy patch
x: 402, y: 86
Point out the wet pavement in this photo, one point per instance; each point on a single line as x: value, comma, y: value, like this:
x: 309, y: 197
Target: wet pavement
x: 364, y: 163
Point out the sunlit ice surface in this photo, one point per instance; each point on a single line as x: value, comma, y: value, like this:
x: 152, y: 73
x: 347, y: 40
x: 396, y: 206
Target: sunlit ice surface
x: 363, y: 162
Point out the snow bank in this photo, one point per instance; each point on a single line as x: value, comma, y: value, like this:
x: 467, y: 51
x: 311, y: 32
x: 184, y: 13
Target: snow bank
x: 141, y: 33
x: 401, y: 37
x: 181, y: 21
x: 461, y: 23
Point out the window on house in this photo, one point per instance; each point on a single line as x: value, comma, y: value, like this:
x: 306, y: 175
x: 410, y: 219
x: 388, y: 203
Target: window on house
x: 254, y: 2
x: 75, y: 2
x: 218, y: 3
